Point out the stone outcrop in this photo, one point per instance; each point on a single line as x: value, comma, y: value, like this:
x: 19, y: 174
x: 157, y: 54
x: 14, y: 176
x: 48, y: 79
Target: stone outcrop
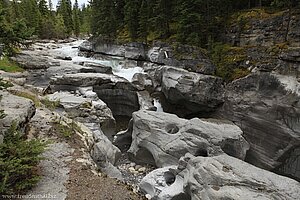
x: 32, y: 61
x: 181, y: 56
x: 86, y: 108
x: 119, y: 94
x: 96, y: 68
x: 161, y: 139
x: 17, y: 110
x: 266, y: 107
x: 216, y: 178
x: 191, y: 93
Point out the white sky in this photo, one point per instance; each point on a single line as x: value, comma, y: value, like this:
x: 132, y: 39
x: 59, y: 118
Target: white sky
x: 80, y: 2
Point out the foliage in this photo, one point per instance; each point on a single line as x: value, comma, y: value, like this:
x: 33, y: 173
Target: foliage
x: 18, y: 162
x: 28, y: 95
x: 2, y: 114
x: 9, y: 66
x: 4, y: 84
x: 51, y: 105
x: 229, y: 61
x: 67, y: 129
x: 12, y: 34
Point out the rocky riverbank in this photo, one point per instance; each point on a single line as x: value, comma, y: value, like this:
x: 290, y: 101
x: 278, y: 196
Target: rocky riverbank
x: 225, y: 141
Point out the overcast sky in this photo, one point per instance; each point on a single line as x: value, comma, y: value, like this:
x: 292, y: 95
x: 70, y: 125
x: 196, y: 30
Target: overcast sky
x: 80, y: 2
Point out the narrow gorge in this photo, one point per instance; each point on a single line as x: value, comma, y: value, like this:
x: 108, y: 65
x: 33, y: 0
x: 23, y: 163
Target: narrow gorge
x: 158, y: 121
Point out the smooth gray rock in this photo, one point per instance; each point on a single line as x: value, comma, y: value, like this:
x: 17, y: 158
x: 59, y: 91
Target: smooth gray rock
x: 86, y: 109
x: 104, y: 153
x: 142, y: 81
x: 17, y: 109
x: 267, y: 108
x: 182, y: 56
x: 119, y: 94
x: 191, y: 93
x: 161, y: 139
x: 85, y: 46
x: 96, y: 68
x: 216, y: 178
x: 135, y: 51
x: 29, y: 60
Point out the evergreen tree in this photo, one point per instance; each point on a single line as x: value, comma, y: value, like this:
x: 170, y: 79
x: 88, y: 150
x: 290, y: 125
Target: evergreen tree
x: 103, y: 20
x: 143, y: 21
x: 76, y: 19
x: 31, y: 14
x: 43, y: 8
x: 64, y: 8
x: 131, y: 17
x: 162, y: 17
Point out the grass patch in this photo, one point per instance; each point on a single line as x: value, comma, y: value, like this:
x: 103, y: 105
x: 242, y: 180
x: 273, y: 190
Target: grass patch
x: 229, y: 61
x: 67, y: 130
x: 51, y: 105
x: 28, y: 95
x: 18, y: 162
x: 5, y: 84
x: 9, y: 66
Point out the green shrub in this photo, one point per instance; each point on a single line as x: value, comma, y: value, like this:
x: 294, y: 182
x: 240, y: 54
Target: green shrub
x: 51, y: 105
x: 229, y: 61
x: 9, y: 66
x: 18, y: 162
x: 65, y: 130
x: 4, y: 84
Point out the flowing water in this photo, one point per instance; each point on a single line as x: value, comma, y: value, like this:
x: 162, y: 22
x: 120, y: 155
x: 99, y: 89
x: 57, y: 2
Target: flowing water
x: 71, y: 50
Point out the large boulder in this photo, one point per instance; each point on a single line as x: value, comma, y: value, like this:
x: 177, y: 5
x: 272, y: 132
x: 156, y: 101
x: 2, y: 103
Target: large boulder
x: 17, y: 110
x: 86, y: 108
x: 119, y: 94
x: 183, y: 56
x: 191, y: 93
x: 30, y: 60
x: 161, y: 139
x: 216, y: 178
x: 267, y: 108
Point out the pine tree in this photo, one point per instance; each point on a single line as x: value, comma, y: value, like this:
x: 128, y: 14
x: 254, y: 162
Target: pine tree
x: 76, y: 19
x: 103, y: 20
x: 31, y: 14
x: 131, y: 18
x: 143, y: 21
x: 64, y: 8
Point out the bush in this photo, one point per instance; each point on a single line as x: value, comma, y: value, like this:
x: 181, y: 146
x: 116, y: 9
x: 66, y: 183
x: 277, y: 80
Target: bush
x: 229, y: 61
x: 9, y: 66
x: 4, y: 84
x: 18, y: 162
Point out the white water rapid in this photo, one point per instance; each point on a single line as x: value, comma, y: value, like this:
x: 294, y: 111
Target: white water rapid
x: 71, y: 50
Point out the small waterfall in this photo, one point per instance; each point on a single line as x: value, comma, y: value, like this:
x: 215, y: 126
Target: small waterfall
x: 158, y: 105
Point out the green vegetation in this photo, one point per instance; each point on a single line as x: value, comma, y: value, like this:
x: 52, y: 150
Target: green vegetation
x: 51, y: 105
x: 194, y: 22
x: 9, y: 66
x: 229, y: 61
x: 4, y: 84
x: 28, y: 95
x: 66, y: 129
x: 18, y: 162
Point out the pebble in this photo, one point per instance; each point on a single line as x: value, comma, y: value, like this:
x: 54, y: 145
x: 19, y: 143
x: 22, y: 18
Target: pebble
x: 131, y: 169
x: 142, y: 169
x: 132, y: 164
x: 148, y: 196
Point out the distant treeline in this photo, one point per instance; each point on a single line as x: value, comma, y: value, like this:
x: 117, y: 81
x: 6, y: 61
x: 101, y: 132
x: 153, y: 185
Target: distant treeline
x: 196, y: 22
